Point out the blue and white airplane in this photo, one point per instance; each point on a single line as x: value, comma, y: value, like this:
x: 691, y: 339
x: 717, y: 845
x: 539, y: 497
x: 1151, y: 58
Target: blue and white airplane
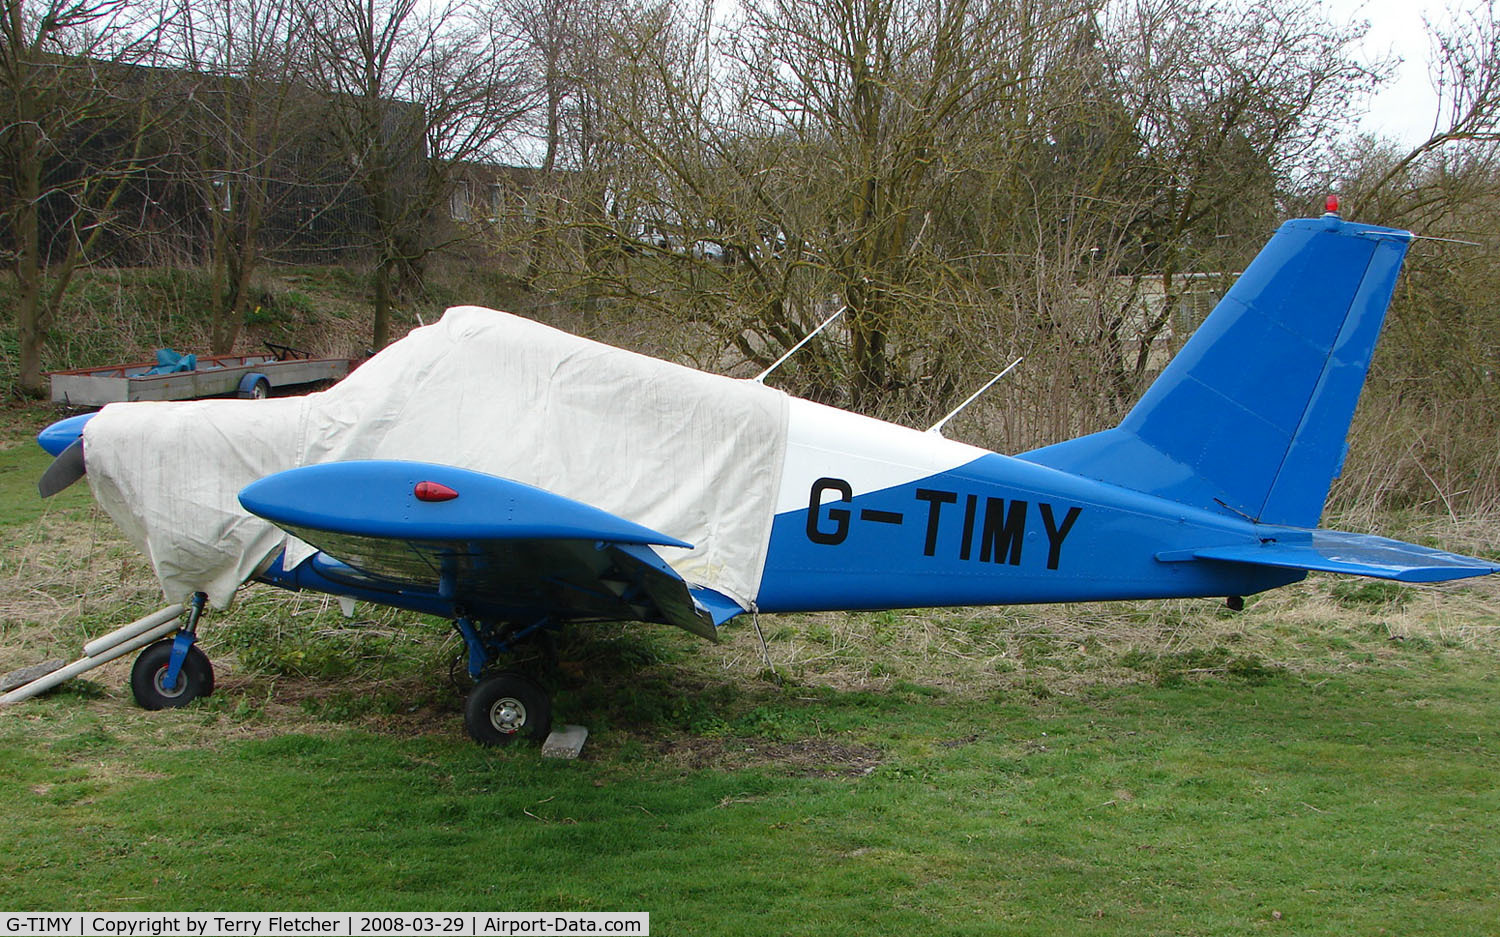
x: 1212, y: 486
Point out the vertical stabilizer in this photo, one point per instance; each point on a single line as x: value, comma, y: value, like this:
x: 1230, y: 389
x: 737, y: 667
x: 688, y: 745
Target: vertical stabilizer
x: 1252, y: 415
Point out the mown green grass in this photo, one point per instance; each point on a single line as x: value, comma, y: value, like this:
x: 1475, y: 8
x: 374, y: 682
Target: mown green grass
x: 1361, y: 804
x: 22, y: 462
x: 1322, y: 763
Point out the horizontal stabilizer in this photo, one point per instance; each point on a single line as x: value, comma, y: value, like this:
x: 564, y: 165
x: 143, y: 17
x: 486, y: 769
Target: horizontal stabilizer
x: 1334, y: 551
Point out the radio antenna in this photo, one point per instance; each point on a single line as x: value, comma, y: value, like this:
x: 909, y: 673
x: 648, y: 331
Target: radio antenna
x: 938, y: 426
x: 761, y: 377
x: 1429, y: 237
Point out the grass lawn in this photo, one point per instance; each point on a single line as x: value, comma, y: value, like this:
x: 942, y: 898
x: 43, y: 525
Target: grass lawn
x: 1324, y: 762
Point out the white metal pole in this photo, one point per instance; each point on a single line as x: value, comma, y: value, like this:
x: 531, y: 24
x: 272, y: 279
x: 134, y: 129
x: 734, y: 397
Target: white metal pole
x: 938, y: 426
x: 139, y: 626
x: 83, y: 665
x: 761, y: 377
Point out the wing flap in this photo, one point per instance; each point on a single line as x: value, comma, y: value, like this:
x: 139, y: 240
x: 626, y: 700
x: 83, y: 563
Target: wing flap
x: 1335, y: 551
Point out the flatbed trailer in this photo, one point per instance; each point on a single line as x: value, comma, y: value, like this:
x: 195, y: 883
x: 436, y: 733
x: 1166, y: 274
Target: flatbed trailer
x: 215, y: 376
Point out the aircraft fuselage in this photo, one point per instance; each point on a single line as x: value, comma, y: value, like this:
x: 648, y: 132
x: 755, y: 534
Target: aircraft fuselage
x: 875, y: 515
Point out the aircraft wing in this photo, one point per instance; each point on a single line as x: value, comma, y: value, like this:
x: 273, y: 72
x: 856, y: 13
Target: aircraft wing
x: 1336, y: 551
x: 482, y: 544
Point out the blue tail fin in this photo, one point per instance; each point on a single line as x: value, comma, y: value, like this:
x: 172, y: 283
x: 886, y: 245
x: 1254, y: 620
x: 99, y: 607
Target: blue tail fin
x: 1252, y: 415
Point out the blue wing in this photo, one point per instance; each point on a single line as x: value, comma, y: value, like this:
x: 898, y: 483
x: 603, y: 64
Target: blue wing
x: 448, y: 540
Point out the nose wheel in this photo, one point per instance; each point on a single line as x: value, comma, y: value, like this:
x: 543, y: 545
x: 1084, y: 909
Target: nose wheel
x: 151, y: 683
x: 173, y: 672
x: 507, y: 707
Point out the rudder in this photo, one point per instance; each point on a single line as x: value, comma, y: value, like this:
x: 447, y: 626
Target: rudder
x: 1252, y: 414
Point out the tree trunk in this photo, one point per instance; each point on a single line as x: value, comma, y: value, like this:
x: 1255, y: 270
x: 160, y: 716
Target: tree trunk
x: 382, y: 332
x: 221, y: 333
x: 30, y: 334
x: 31, y: 312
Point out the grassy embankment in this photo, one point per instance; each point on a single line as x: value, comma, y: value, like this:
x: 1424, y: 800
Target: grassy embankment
x: 111, y: 316
x: 1322, y: 763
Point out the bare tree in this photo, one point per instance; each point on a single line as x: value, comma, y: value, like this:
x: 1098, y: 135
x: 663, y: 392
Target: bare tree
x: 1466, y: 74
x: 553, y: 34
x: 971, y: 179
x: 568, y: 47
x: 413, y: 93
x: 73, y: 122
x: 1231, y: 98
x: 1426, y: 430
x: 883, y: 99
x: 242, y: 115
x: 789, y: 162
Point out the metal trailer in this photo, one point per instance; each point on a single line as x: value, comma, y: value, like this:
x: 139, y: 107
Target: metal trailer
x: 215, y: 376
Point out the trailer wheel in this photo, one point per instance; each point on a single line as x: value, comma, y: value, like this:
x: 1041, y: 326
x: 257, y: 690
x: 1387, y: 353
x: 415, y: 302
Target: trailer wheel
x: 259, y: 390
x: 195, y: 679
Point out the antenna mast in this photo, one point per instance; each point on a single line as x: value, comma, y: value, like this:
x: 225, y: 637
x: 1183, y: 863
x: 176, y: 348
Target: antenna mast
x: 761, y: 377
x: 938, y: 426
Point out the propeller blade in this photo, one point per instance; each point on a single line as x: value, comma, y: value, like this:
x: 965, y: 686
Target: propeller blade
x: 66, y: 469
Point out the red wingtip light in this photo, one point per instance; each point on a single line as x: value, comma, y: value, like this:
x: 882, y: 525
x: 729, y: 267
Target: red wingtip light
x: 1331, y: 205
x: 432, y: 491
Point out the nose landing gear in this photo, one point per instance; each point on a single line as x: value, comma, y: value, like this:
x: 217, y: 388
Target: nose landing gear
x: 174, y: 671
x: 152, y: 689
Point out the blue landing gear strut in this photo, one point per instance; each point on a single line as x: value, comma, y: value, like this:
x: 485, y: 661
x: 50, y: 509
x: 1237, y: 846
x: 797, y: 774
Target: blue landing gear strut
x: 486, y: 640
x: 187, y: 637
x: 174, y: 671
x: 503, y: 706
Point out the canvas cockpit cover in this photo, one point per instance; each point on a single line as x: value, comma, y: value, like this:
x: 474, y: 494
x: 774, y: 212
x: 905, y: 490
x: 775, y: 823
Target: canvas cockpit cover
x: 697, y: 456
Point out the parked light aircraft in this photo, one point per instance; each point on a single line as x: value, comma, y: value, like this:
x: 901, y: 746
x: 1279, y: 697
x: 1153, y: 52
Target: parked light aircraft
x: 516, y: 480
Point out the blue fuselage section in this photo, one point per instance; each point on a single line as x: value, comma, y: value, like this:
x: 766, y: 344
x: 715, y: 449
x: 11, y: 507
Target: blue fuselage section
x: 997, y: 530
x: 1212, y: 485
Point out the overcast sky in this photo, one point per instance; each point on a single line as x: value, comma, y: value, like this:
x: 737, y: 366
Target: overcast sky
x: 1406, y: 107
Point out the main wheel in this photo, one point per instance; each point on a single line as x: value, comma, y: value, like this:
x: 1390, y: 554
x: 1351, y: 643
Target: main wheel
x: 506, y: 707
x: 148, y: 677
x: 260, y: 390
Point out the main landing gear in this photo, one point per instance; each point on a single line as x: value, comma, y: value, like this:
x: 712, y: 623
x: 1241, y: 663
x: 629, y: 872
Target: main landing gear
x: 506, y: 707
x: 174, y: 671
x: 503, y: 706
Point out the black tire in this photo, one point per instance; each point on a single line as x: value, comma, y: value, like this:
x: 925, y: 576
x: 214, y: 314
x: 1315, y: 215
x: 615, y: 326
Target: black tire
x: 507, y: 707
x: 260, y: 390
x: 194, y: 680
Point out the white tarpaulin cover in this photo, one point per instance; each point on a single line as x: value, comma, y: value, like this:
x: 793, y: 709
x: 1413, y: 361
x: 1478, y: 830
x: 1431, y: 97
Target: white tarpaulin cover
x: 696, y: 456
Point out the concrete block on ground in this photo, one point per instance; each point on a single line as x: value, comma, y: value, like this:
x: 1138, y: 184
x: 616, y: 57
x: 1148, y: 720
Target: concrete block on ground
x: 565, y: 742
x: 19, y: 678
